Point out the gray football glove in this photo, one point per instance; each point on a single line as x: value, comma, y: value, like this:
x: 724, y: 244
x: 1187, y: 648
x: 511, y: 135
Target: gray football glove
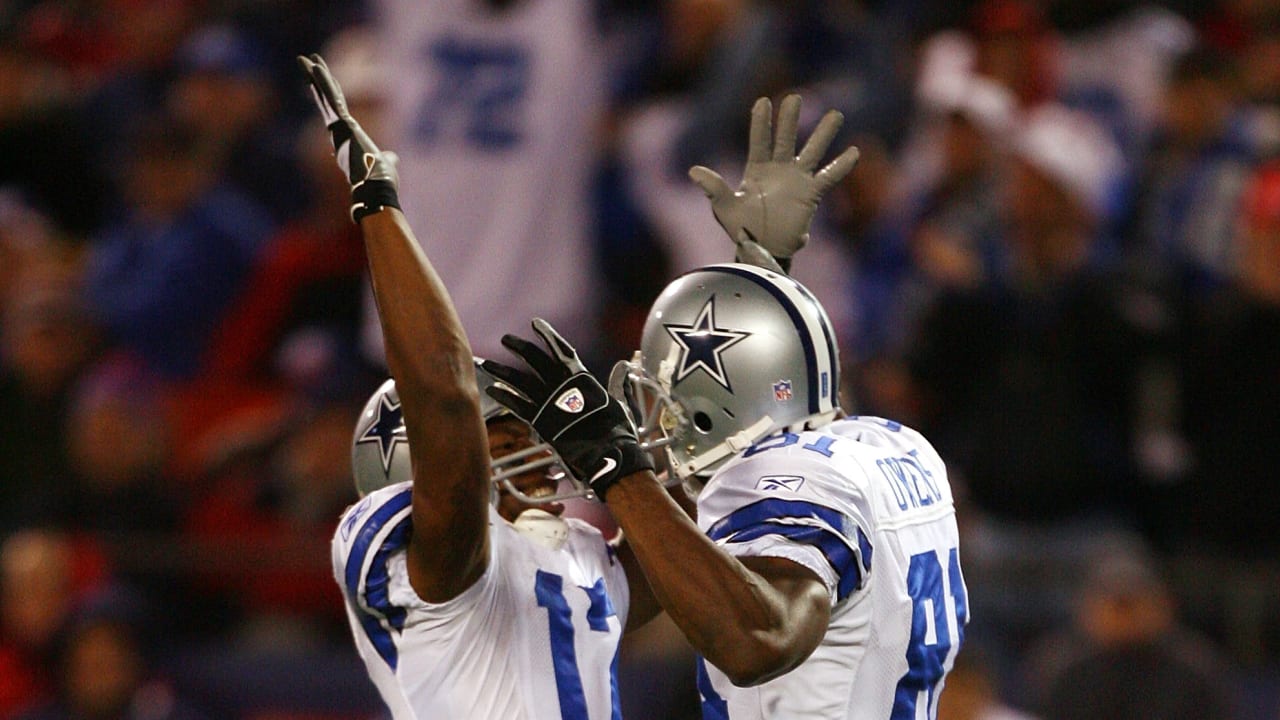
x: 371, y: 172
x: 772, y: 209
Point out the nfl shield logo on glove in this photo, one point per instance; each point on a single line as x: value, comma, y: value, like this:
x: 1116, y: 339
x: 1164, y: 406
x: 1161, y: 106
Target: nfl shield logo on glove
x: 571, y: 401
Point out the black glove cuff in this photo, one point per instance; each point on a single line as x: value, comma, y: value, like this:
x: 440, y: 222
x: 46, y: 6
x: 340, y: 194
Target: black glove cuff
x: 372, y: 196
x: 629, y: 458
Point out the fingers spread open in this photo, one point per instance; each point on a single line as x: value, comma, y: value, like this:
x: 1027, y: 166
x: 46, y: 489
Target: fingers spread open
x: 523, y: 409
x: 547, y: 370
x: 821, y: 139
x: 758, y: 150
x: 564, y: 353
x: 784, y: 145
x: 837, y: 169
x: 711, y: 183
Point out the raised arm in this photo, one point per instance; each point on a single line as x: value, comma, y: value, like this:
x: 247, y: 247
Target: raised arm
x: 754, y: 621
x: 429, y: 357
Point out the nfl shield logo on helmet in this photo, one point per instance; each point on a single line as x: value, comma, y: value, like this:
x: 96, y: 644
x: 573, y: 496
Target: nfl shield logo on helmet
x: 782, y: 390
x: 571, y: 401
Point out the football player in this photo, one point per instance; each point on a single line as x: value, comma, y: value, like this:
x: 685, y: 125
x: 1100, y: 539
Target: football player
x: 821, y: 578
x: 458, y: 608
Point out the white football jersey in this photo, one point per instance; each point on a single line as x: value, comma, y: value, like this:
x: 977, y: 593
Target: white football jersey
x: 495, y: 115
x: 535, y: 638
x: 865, y: 504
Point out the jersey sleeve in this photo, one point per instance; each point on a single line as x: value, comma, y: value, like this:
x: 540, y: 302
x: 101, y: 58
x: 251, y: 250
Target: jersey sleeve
x: 368, y: 536
x: 794, y: 507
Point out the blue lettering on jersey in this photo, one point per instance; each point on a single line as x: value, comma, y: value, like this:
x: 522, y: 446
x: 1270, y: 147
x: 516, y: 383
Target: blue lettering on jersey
x: 377, y: 616
x: 713, y: 706
x: 479, y: 93
x: 931, y: 621
x: 912, y: 485
x: 822, y: 445
x: 549, y: 588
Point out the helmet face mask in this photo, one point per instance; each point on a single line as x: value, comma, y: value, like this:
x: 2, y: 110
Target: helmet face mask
x: 380, y: 449
x: 731, y: 354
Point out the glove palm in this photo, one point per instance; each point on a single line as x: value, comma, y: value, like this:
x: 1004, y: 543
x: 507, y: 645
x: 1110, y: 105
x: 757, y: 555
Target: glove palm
x: 779, y: 194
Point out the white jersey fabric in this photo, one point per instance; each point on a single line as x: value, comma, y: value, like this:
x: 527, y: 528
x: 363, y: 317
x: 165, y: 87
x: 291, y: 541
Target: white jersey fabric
x: 535, y: 638
x: 495, y: 115
x: 864, y: 503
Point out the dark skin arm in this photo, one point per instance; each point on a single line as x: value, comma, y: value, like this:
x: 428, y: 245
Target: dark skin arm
x: 644, y: 604
x: 754, y: 618
x: 430, y: 359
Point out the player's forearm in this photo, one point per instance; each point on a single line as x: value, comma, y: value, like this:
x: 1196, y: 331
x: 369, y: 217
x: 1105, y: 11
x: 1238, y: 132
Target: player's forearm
x: 427, y: 350
x: 732, y: 616
x: 430, y: 359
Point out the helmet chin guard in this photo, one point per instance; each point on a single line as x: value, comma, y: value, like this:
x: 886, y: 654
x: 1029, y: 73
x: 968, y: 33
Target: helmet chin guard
x: 731, y: 354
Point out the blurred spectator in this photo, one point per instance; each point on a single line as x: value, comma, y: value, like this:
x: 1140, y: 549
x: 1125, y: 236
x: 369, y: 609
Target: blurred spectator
x: 43, y: 573
x: 294, y: 327
x: 495, y: 109
x: 1232, y: 387
x: 45, y: 140
x: 1115, y: 62
x: 161, y: 278
x: 119, y: 442
x: 267, y: 517
x: 1231, y: 415
x: 1190, y: 187
x: 956, y: 226
x: 1025, y: 384
x: 105, y: 667
x: 1128, y: 654
x: 45, y: 342
x: 225, y: 95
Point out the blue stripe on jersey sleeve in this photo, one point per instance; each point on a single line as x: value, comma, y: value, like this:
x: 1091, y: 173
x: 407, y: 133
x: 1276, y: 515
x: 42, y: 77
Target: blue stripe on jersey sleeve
x: 834, y: 548
x: 376, y: 582
x: 760, y: 518
x: 774, y: 509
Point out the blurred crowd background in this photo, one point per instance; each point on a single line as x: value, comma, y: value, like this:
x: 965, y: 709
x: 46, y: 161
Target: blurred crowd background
x: 1058, y: 257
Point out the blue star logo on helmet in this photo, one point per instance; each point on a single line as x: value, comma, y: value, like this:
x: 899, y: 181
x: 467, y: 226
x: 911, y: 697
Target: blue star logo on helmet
x: 703, y: 343
x: 386, y: 430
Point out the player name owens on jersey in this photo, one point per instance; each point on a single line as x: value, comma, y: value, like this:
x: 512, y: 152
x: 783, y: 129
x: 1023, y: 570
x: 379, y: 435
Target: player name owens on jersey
x: 535, y: 638
x: 866, y: 505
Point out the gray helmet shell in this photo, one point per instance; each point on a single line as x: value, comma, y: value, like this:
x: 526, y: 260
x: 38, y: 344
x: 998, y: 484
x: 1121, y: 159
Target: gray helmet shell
x: 380, y: 447
x: 739, y: 352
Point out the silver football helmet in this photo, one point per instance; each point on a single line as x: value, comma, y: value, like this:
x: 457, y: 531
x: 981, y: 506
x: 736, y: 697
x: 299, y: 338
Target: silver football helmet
x: 731, y: 354
x: 380, y: 448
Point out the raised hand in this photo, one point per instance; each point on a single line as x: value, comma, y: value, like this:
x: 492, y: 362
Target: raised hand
x: 371, y: 172
x: 774, y: 206
x: 590, y: 430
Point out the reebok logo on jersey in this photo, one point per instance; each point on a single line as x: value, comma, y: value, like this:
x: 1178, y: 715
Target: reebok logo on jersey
x: 773, y: 483
x: 571, y: 401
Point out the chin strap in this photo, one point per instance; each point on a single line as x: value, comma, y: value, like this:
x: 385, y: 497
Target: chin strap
x: 731, y: 446
x: 550, y: 531
x: 741, y: 440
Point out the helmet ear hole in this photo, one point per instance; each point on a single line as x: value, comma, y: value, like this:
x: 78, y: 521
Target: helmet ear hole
x: 702, y: 421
